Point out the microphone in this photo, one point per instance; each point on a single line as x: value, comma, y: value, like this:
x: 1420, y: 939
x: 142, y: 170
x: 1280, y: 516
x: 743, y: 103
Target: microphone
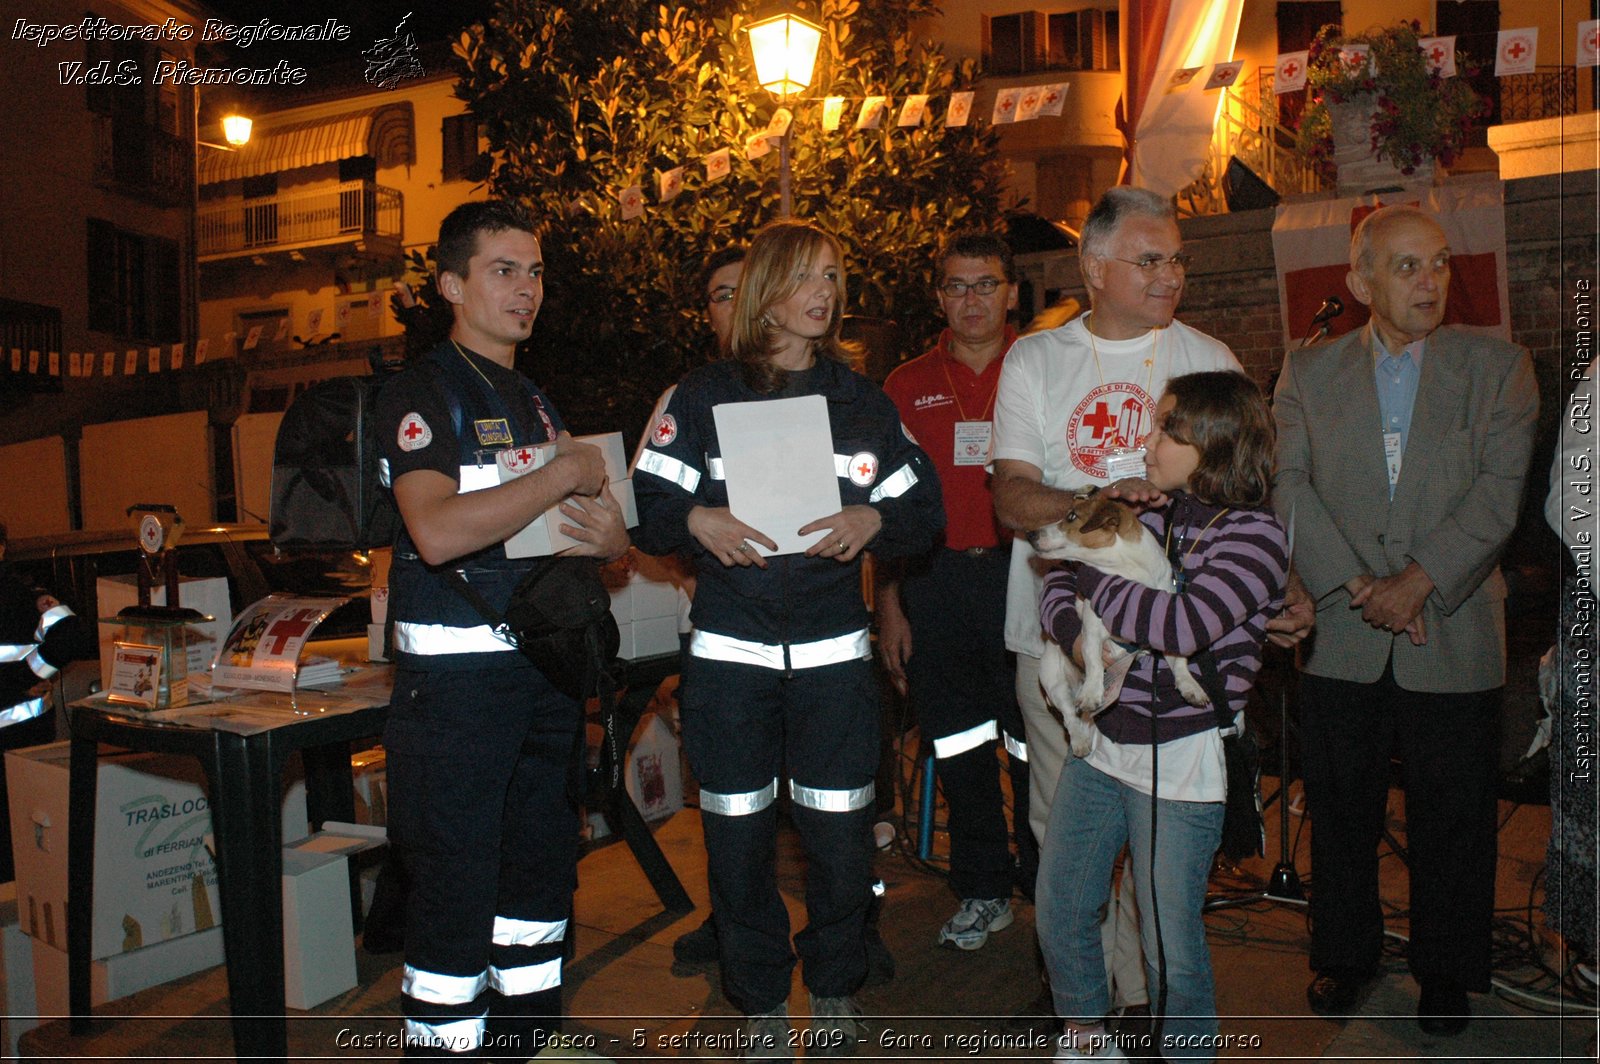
x: 1331, y: 308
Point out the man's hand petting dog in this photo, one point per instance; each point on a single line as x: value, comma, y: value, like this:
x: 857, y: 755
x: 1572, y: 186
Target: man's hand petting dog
x: 1136, y: 492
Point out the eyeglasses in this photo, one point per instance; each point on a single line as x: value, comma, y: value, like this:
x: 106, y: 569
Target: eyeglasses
x: 722, y: 293
x: 957, y: 289
x: 1151, y: 263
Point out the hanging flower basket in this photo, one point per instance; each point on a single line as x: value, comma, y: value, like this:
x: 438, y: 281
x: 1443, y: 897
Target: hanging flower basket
x: 1381, y: 116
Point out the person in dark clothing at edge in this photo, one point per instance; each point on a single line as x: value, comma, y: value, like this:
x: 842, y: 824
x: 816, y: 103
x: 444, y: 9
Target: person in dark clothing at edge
x: 38, y: 635
x: 779, y: 680
x: 479, y: 741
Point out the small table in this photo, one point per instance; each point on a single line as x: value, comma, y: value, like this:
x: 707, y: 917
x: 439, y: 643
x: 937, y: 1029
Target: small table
x: 245, y: 774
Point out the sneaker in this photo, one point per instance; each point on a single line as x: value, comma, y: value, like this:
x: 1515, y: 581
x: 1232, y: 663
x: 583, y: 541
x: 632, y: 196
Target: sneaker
x: 835, y: 1026
x: 766, y: 1035
x: 969, y: 928
x: 1073, y: 1048
x: 698, y: 947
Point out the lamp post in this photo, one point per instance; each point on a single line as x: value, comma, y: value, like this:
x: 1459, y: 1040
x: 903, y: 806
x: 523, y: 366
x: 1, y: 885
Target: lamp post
x: 236, y: 133
x: 784, y: 46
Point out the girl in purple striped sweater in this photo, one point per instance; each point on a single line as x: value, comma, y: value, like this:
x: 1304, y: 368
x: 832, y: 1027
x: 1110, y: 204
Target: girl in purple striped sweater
x: 1208, y: 462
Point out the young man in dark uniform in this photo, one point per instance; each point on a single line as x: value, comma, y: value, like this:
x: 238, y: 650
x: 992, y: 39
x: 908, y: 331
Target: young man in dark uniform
x: 479, y: 741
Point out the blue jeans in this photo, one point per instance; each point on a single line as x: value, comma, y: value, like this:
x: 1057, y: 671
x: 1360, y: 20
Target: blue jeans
x: 1092, y: 818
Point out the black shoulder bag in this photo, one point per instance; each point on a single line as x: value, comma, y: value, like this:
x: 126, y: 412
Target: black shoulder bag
x: 1244, y: 833
x: 559, y: 617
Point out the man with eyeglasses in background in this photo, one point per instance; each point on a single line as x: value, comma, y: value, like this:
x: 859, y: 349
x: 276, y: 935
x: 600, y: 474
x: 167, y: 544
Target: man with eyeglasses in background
x: 1073, y: 409
x: 941, y: 618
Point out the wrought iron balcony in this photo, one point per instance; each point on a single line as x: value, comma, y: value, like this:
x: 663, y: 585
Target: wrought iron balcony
x: 333, y: 214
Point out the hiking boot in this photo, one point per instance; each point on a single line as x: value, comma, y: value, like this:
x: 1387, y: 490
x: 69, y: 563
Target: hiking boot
x: 698, y: 947
x: 835, y: 1026
x: 969, y: 928
x: 766, y: 1035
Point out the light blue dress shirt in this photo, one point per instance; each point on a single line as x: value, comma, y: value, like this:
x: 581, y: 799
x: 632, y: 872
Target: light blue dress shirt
x: 1397, y: 377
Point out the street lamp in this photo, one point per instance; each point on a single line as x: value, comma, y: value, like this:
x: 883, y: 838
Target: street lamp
x: 784, y: 46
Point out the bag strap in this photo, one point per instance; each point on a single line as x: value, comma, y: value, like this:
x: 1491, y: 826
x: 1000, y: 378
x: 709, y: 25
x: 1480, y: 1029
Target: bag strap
x: 457, y: 580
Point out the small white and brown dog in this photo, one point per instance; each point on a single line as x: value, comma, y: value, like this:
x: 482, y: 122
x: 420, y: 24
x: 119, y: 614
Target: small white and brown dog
x: 1109, y: 536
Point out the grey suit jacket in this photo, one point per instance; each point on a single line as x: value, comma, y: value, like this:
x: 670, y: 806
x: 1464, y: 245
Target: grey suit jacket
x: 1454, y: 507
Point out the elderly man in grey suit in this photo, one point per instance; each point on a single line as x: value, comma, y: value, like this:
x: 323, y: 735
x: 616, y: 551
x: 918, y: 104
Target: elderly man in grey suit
x: 1402, y: 449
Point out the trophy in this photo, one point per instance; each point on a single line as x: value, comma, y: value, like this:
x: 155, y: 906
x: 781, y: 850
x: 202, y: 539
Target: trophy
x: 151, y: 666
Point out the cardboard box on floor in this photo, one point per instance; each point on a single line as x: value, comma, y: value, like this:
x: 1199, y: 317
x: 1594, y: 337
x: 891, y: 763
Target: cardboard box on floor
x: 651, y: 607
x: 319, y: 941
x: 154, y: 880
x: 122, y: 974
x: 18, y: 1011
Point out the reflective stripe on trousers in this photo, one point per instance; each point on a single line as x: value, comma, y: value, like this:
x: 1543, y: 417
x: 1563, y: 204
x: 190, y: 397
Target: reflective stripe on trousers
x: 962, y: 741
x: 716, y: 647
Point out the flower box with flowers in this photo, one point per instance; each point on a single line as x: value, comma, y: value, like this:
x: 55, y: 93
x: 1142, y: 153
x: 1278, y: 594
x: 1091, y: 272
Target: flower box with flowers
x: 1379, y: 113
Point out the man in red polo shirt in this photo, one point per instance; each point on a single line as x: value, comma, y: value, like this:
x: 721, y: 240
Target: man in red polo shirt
x: 959, y: 674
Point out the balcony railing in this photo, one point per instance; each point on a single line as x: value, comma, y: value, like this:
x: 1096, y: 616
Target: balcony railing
x: 142, y: 161
x: 1548, y: 92
x: 350, y: 209
x: 1247, y: 128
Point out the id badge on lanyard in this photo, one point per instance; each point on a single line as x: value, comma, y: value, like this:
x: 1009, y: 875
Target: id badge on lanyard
x: 973, y: 442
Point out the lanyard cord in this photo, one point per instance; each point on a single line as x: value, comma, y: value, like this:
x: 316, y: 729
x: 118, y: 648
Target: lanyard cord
x: 956, y: 395
x: 1155, y: 354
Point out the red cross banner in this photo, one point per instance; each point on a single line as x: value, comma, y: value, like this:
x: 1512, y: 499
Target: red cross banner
x: 1181, y: 78
x: 1005, y: 107
x: 201, y: 347
x: 1028, y: 103
x: 1054, y: 96
x: 1223, y: 75
x: 669, y: 183
x: 108, y: 364
x: 1353, y: 57
x: 155, y: 359
x: 871, y: 113
x: 1311, y: 244
x: 1587, y: 53
x: 75, y: 364
x: 960, y: 109
x: 632, y: 199
x: 1440, y: 54
x: 55, y: 363
x: 717, y: 165
x: 1289, y: 75
x: 33, y: 362
x: 130, y: 364
x: 1516, y: 52
x: 756, y: 146
x: 177, y: 356
x: 912, y: 110
x: 832, y: 112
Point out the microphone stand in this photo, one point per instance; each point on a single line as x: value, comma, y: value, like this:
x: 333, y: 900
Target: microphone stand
x: 1284, y: 884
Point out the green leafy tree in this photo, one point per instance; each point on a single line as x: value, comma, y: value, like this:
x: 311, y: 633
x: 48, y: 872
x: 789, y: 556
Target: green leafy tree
x: 584, y: 99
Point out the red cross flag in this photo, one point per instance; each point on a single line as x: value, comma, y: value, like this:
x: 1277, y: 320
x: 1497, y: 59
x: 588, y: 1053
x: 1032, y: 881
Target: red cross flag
x: 1289, y: 75
x: 632, y: 199
x: 1440, y: 54
x: 912, y: 110
x: 202, y: 347
x: 669, y: 183
x: 75, y: 364
x: 832, y: 112
x: 108, y: 363
x: 1223, y: 75
x: 756, y: 146
x: 1005, y: 106
x: 1028, y: 103
x: 177, y: 356
x: 871, y: 113
x: 1355, y: 57
x: 1181, y: 78
x: 155, y: 360
x: 1516, y: 52
x: 1588, y: 50
x: 1054, y: 96
x: 1311, y: 244
x: 717, y: 165
x: 779, y: 124
x: 960, y: 108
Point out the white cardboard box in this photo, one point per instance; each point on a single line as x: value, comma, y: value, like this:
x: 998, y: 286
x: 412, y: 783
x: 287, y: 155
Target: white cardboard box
x: 542, y: 536
x: 154, y: 880
x: 125, y: 973
x: 207, y: 594
x: 18, y: 1009
x: 319, y: 942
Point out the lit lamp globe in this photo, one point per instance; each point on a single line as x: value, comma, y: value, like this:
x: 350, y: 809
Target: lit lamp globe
x: 236, y: 130
x: 785, y: 50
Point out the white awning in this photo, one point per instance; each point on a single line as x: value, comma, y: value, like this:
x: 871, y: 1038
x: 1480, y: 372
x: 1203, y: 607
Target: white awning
x: 387, y: 133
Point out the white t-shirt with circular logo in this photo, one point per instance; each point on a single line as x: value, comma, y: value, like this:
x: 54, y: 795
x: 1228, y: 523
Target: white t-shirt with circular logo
x: 1061, y: 412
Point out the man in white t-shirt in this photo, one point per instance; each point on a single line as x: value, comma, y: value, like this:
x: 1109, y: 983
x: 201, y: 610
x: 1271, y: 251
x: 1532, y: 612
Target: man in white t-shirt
x: 1074, y: 407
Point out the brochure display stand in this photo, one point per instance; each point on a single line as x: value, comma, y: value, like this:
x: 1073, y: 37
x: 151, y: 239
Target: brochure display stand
x: 262, y: 654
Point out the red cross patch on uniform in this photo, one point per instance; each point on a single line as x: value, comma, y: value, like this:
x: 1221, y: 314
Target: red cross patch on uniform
x: 414, y: 432
x: 517, y: 460
x: 665, y: 432
x: 863, y: 468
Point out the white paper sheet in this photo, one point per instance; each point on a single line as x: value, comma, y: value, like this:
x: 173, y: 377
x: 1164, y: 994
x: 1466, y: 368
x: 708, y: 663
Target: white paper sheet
x: 778, y: 457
